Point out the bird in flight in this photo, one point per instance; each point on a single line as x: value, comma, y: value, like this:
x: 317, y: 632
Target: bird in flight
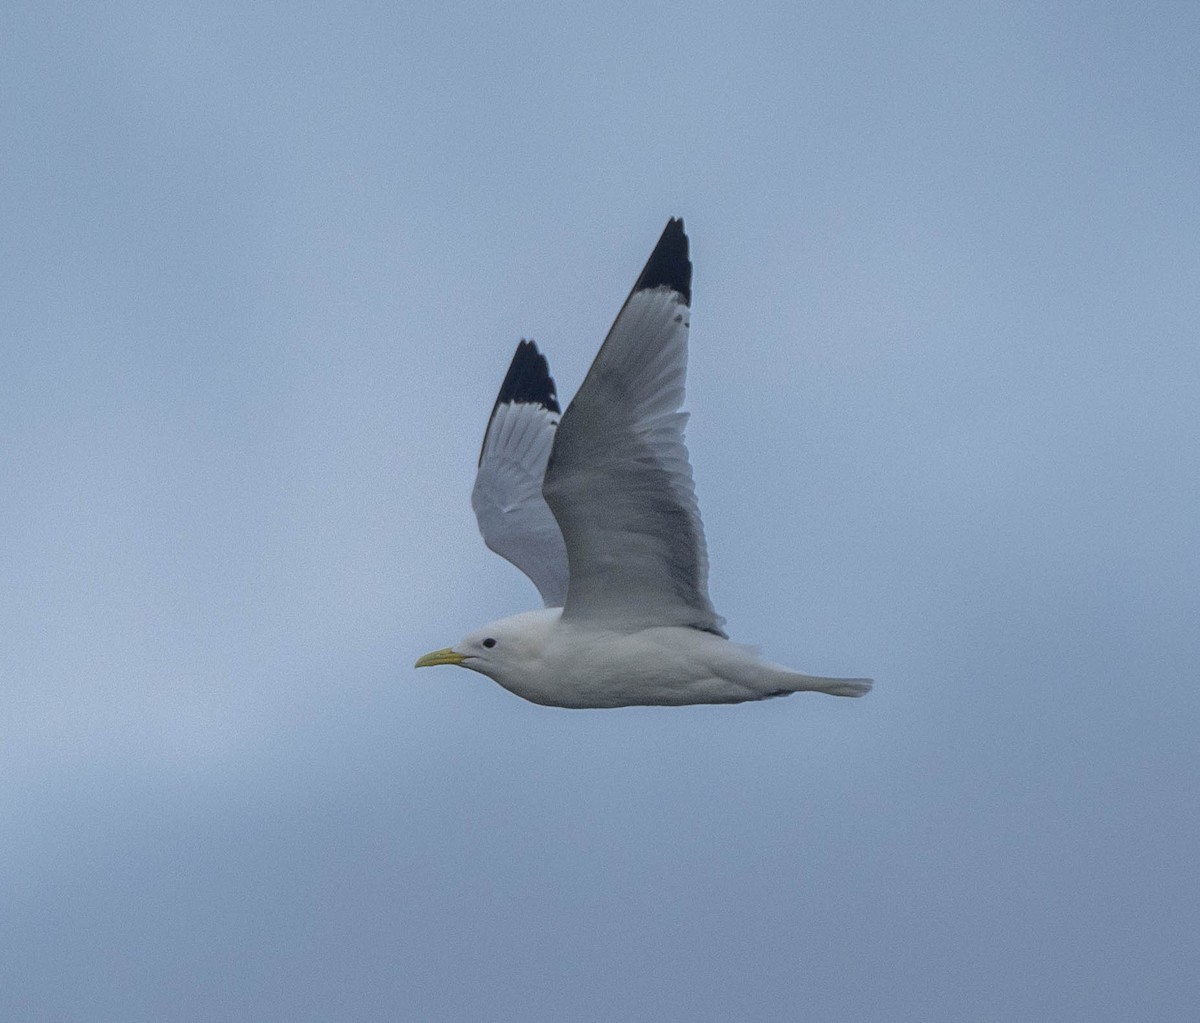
x: 597, y: 507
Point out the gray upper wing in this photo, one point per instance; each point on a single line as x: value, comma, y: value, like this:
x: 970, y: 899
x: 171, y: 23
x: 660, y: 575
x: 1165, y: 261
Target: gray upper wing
x: 618, y: 481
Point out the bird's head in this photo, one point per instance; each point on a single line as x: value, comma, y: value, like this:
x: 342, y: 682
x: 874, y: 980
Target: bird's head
x: 502, y: 650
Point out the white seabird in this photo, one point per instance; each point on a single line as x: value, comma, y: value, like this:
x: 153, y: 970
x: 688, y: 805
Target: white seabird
x: 598, y: 509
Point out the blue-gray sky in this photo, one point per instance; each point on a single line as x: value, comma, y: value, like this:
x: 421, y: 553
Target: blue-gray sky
x: 263, y: 269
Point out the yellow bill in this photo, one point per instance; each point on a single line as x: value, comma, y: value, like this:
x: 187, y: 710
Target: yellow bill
x: 447, y: 656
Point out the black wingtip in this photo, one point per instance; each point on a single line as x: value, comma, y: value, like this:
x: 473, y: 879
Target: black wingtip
x: 668, y: 263
x: 527, y: 381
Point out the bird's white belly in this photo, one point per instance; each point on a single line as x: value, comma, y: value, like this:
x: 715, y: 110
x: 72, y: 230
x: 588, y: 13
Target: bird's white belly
x: 660, y: 666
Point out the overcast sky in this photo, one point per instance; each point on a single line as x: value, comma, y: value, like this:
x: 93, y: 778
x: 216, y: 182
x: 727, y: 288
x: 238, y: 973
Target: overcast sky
x: 263, y: 268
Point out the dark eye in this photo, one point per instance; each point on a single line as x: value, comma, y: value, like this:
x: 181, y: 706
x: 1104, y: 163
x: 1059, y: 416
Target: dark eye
x: 489, y: 643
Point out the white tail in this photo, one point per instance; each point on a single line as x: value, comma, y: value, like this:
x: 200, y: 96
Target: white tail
x: 835, y: 686
x: 741, y: 666
x: 793, y: 682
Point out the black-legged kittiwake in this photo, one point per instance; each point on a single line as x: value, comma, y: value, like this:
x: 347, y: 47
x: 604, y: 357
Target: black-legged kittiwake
x: 597, y: 507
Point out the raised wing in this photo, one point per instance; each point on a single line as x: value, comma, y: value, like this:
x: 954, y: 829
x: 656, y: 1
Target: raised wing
x: 513, y: 516
x: 619, y: 482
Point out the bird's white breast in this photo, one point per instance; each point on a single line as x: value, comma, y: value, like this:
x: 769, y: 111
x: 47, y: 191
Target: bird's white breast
x: 591, y: 667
